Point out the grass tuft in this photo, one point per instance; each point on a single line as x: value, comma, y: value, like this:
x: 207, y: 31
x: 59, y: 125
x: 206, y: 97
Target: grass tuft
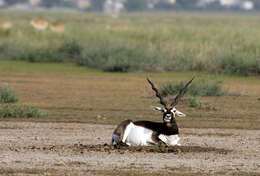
x: 7, y: 95
x: 204, y: 87
x: 20, y: 111
x: 194, y: 102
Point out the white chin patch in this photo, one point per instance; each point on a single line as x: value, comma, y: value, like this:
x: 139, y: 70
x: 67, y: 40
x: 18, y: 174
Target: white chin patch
x: 167, y: 120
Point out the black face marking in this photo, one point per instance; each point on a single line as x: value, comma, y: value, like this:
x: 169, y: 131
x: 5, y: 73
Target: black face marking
x: 168, y: 115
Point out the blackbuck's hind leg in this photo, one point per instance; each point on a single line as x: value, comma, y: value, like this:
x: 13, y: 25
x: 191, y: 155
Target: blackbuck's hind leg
x: 118, y: 134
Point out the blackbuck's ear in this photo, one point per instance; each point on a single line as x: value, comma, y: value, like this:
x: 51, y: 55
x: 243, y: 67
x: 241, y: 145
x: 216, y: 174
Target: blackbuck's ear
x: 180, y: 114
x: 158, y: 108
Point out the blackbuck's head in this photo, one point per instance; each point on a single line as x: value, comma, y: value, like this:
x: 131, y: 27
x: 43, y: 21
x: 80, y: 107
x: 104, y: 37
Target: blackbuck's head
x: 169, y: 111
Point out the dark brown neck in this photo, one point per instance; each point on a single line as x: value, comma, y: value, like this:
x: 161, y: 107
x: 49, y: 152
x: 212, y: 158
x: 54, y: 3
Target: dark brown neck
x: 172, y: 126
x: 161, y: 128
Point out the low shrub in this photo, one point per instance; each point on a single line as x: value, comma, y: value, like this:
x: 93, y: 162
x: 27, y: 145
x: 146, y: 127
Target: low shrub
x: 71, y: 48
x: 118, y: 57
x: 38, y: 54
x: 19, y: 111
x: 204, y: 87
x: 7, y: 95
x: 178, y: 61
x: 236, y: 64
x: 67, y: 50
x: 194, y: 102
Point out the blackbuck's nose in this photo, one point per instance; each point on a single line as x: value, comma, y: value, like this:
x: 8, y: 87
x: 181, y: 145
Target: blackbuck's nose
x: 168, y: 115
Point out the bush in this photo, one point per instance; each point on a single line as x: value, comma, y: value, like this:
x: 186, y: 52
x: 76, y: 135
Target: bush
x: 41, y: 54
x: 204, y: 87
x: 194, y: 102
x: 236, y: 64
x: 119, y: 58
x: 67, y: 50
x: 20, y: 111
x: 7, y: 95
x: 72, y: 49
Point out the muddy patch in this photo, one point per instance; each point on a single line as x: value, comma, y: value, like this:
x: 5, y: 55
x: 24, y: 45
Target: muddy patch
x: 121, y: 149
x: 149, y: 149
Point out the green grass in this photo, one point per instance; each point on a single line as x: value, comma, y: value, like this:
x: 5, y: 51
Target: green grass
x: 7, y: 95
x: 139, y: 42
x: 20, y: 111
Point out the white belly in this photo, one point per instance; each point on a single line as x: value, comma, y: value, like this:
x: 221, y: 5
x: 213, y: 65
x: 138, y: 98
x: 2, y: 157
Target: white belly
x: 137, y: 135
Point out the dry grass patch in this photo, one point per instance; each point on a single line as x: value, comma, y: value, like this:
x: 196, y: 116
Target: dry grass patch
x: 105, y: 98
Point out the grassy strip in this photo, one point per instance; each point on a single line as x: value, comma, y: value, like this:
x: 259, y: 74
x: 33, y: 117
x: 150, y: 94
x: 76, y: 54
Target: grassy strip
x: 134, y: 42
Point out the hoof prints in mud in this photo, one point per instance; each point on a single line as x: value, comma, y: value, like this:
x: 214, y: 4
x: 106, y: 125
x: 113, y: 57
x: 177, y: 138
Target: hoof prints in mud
x: 149, y: 149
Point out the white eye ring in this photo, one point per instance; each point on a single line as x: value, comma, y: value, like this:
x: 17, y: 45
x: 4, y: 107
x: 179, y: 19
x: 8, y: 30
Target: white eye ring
x: 173, y: 111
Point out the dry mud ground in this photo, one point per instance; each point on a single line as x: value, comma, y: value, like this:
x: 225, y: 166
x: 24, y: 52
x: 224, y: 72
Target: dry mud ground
x: 78, y: 149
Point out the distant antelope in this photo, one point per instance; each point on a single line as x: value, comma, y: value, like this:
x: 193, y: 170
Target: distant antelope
x: 40, y: 24
x: 58, y: 27
x: 150, y: 133
x: 6, y: 25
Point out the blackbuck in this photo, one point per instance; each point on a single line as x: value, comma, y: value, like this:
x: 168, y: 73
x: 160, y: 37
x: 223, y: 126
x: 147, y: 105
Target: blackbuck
x: 58, y: 27
x: 149, y: 133
x: 40, y: 24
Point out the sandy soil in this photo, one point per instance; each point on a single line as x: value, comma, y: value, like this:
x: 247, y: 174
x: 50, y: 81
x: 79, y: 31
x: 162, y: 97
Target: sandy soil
x: 78, y: 149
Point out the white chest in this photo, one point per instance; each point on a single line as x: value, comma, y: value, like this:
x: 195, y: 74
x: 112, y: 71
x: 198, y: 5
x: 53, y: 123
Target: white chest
x: 138, y: 135
x: 170, y: 140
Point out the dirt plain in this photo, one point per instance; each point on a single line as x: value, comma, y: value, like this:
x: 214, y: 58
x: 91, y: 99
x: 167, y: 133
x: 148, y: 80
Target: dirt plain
x: 29, y: 148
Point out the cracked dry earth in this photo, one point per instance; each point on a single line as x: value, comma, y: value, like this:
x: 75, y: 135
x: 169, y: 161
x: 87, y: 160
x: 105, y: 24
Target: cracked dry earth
x: 80, y: 149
